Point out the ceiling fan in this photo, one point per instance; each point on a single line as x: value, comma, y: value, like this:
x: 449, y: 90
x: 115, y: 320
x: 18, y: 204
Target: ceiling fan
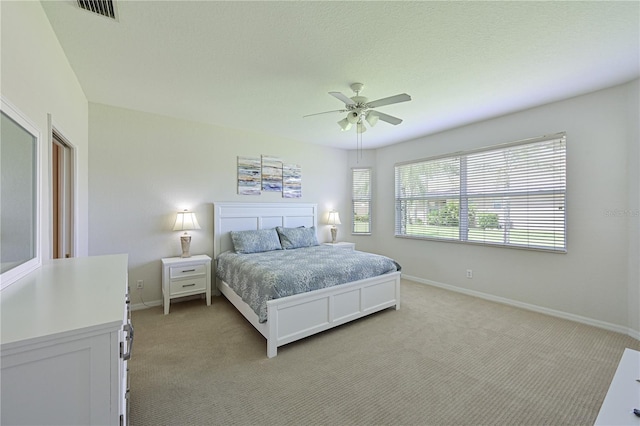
x: 359, y: 109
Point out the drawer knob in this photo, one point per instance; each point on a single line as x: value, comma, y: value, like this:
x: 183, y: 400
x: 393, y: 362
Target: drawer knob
x: 188, y: 285
x: 188, y: 270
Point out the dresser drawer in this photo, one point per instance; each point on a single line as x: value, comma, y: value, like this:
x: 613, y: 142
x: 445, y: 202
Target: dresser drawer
x: 186, y: 271
x: 188, y: 285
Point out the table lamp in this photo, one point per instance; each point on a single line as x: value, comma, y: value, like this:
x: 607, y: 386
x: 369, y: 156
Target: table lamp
x: 333, y: 220
x: 185, y: 221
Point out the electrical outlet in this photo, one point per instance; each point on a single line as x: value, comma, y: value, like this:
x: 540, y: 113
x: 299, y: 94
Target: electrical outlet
x: 469, y: 273
x: 140, y: 284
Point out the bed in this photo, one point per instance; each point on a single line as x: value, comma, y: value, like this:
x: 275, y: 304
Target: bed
x: 292, y: 317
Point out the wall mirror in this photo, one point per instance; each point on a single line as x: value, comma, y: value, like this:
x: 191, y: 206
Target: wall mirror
x: 19, y: 196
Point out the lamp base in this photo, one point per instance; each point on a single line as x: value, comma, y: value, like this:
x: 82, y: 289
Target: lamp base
x: 185, y: 242
x: 334, y: 234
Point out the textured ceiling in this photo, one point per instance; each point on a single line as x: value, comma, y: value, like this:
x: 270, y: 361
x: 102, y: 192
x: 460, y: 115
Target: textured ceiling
x: 262, y: 65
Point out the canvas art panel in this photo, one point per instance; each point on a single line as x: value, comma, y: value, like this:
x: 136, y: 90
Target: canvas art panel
x: 249, y: 176
x: 271, y: 174
x: 291, y: 181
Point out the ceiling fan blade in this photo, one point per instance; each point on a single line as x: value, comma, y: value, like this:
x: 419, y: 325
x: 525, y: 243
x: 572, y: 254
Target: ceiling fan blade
x: 390, y: 100
x: 388, y: 118
x: 344, y: 98
x: 326, y: 112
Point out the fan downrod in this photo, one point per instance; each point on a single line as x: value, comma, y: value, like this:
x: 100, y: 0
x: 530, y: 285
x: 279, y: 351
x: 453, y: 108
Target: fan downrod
x: 360, y: 101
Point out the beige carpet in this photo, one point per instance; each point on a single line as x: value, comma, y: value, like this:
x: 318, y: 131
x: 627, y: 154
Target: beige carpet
x: 443, y: 359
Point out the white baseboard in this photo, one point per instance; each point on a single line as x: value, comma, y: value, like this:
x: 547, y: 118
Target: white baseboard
x: 564, y: 315
x: 154, y: 303
x: 146, y: 305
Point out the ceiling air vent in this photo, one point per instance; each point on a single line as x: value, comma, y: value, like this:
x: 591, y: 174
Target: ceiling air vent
x: 101, y: 7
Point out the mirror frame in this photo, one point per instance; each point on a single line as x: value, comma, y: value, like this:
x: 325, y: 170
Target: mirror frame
x: 12, y: 275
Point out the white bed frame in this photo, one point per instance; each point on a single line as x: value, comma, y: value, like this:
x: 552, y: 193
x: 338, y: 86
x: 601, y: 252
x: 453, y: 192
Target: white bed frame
x: 295, y: 317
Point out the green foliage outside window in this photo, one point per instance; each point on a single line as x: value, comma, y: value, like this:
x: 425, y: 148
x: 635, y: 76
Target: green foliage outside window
x: 488, y: 220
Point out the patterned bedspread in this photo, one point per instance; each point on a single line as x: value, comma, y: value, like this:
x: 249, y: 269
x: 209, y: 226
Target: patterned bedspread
x: 259, y: 277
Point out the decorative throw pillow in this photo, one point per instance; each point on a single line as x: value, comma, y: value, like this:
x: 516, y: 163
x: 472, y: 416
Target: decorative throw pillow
x: 255, y: 241
x: 292, y: 238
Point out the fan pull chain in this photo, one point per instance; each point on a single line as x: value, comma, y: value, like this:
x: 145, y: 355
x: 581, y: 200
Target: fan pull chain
x: 358, y: 146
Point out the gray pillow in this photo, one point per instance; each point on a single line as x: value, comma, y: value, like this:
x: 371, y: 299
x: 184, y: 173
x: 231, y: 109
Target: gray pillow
x: 255, y: 241
x: 292, y: 238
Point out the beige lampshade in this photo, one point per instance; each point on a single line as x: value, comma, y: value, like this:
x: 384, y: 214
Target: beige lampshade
x: 334, y: 218
x: 186, y: 220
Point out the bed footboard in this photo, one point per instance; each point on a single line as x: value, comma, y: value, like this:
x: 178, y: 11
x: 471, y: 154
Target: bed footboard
x: 295, y: 317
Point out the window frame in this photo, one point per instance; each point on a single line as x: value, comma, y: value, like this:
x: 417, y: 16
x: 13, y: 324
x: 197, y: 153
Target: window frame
x: 458, y: 192
x: 34, y: 262
x: 367, y: 199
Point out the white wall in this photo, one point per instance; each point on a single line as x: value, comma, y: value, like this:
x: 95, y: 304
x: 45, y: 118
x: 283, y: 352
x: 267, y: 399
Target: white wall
x: 37, y: 79
x: 145, y: 167
x: 593, y: 279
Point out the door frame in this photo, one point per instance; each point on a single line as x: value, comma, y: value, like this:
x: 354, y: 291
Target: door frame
x: 64, y: 188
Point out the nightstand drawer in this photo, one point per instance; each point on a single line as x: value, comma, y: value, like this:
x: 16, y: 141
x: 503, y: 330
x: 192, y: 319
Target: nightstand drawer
x: 181, y: 286
x: 187, y: 271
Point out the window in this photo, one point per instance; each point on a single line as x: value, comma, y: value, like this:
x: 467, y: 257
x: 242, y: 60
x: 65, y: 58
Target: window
x: 361, y: 204
x: 508, y: 195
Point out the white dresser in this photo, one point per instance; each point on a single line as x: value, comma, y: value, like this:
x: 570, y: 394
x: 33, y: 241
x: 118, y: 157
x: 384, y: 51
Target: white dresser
x: 623, y: 394
x: 66, y: 337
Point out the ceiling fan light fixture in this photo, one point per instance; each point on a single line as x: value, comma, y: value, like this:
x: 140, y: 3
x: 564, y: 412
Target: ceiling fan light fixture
x: 344, y: 124
x: 353, y: 117
x: 361, y: 128
x: 372, y: 118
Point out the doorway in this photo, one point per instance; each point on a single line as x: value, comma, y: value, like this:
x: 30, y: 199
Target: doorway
x: 62, y: 183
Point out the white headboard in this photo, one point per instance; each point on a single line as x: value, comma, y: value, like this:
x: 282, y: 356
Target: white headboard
x: 250, y: 216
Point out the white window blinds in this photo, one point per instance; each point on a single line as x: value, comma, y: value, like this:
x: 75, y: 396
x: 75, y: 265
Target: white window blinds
x: 361, y: 201
x: 510, y: 195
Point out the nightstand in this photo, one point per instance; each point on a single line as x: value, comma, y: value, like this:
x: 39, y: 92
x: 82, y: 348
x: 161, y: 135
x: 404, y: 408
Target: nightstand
x: 342, y: 245
x: 185, y: 276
